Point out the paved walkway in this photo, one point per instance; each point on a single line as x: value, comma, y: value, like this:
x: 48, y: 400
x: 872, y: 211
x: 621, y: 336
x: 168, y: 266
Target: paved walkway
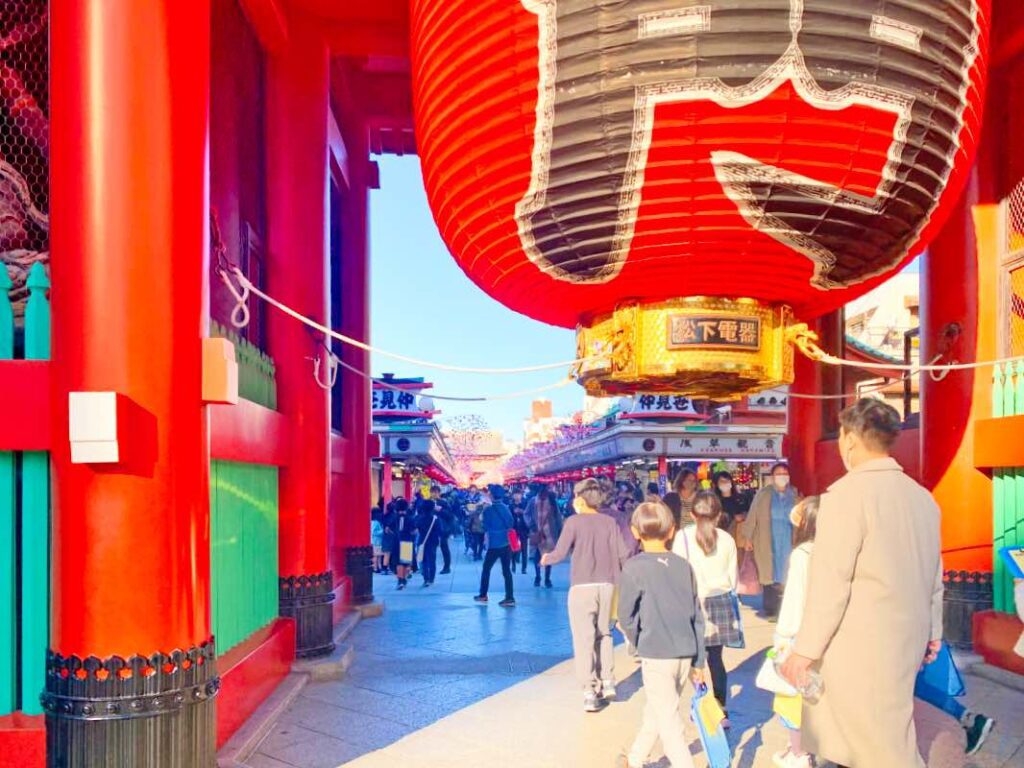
x: 440, y: 681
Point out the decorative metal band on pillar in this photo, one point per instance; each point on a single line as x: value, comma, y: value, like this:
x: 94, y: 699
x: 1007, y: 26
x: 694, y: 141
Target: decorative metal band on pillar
x: 965, y: 593
x: 307, y: 599
x: 142, y: 712
x: 359, y: 567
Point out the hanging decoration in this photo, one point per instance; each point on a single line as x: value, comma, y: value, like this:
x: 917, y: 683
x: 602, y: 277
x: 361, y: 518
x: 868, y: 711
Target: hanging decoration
x: 685, y: 182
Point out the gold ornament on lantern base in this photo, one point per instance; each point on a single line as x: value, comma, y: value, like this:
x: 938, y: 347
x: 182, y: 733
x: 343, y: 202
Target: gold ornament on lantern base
x: 704, y: 347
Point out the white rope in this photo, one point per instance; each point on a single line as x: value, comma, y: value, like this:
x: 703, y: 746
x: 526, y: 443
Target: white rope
x: 867, y: 390
x: 240, y: 314
x: 449, y: 398
x: 828, y: 359
x: 250, y: 288
x: 332, y: 370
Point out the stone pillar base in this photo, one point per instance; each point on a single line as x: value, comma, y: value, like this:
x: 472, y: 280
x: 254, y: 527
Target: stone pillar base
x: 307, y: 599
x: 142, y: 712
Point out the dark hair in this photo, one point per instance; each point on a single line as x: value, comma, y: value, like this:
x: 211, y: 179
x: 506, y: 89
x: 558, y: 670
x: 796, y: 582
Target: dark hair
x: 808, y: 528
x: 590, y: 491
x: 779, y: 465
x: 401, y: 505
x: 496, y: 491
x: 681, y: 478
x: 652, y: 488
x: 720, y: 476
x: 875, y: 422
x: 707, y: 510
x: 653, y: 521
x: 427, y: 507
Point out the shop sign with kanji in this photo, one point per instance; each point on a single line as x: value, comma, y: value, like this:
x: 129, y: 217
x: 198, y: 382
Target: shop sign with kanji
x: 391, y: 402
x: 661, y: 406
x: 729, y: 447
x: 714, y: 332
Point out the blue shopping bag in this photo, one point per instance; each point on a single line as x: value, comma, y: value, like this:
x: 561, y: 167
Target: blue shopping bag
x: 707, y: 714
x: 939, y: 680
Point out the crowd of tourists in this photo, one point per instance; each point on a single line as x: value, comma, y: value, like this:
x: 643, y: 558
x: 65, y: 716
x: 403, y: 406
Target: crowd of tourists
x: 853, y: 580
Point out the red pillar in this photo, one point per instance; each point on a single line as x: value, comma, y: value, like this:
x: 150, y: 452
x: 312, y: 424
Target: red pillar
x: 129, y: 112
x: 663, y: 475
x: 351, y: 549
x: 958, y: 288
x: 804, y: 429
x: 297, y: 103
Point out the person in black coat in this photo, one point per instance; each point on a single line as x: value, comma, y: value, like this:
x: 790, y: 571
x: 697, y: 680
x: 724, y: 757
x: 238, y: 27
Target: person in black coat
x: 429, y: 525
x: 734, y: 505
x: 446, y: 522
x: 404, y: 526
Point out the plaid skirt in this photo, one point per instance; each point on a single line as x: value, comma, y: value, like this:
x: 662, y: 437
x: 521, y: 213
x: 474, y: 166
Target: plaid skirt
x: 722, y: 622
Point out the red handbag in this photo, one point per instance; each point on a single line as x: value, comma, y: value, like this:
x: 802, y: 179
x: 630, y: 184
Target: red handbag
x: 513, y: 540
x: 747, y: 582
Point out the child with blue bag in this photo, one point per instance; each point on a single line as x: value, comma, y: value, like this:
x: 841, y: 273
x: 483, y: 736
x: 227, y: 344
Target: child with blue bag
x: 660, y: 614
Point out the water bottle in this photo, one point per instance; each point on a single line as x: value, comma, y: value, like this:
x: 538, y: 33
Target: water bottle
x: 812, y: 690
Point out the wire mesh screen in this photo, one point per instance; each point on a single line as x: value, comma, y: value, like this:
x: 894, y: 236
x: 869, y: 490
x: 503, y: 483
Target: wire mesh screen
x: 1015, y: 220
x: 1014, y: 259
x: 24, y: 142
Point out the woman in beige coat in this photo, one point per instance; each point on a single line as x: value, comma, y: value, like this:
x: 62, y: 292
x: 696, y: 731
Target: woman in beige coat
x: 874, y: 602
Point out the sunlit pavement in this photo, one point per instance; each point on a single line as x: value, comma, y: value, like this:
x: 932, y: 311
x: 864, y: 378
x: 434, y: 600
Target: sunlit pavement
x: 441, y: 681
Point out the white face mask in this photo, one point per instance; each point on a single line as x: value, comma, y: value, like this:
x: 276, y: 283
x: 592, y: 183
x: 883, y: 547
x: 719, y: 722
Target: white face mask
x: 725, y: 487
x: 781, y: 481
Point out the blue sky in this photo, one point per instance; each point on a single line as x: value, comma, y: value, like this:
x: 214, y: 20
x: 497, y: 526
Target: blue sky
x: 424, y: 306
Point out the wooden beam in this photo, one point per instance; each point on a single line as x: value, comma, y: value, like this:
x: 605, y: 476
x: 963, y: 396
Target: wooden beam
x: 25, y: 387
x: 268, y: 21
x: 364, y: 40
x: 249, y: 433
x: 998, y: 444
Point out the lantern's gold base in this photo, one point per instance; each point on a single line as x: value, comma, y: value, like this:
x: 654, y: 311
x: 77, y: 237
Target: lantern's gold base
x: 698, y: 347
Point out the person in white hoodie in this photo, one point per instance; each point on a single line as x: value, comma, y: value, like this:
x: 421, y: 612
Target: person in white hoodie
x: 804, y: 517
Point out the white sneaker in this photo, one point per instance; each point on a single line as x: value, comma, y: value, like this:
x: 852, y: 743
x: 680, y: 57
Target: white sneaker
x: 608, y: 689
x: 591, y: 701
x: 786, y: 759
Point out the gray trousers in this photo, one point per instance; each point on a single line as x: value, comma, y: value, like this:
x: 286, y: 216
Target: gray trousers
x: 590, y: 618
x: 663, y: 683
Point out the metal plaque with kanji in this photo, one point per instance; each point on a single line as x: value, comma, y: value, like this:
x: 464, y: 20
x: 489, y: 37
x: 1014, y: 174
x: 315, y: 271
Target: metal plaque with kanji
x: 714, y: 332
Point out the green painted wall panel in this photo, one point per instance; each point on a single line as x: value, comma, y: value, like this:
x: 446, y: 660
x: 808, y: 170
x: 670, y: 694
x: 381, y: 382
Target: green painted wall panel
x: 1007, y: 487
x: 243, y: 549
x: 35, y: 576
x: 8, y: 530
x: 8, y: 586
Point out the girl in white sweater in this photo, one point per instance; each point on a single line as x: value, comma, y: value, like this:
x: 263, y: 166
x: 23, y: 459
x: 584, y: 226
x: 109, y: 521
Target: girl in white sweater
x: 711, y: 553
x: 804, y: 518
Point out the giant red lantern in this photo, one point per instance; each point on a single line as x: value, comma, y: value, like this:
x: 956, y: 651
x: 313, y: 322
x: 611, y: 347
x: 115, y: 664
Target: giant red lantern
x: 682, y: 178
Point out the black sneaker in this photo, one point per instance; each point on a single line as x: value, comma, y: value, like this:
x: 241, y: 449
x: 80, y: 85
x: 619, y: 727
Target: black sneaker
x: 446, y: 571
x: 508, y: 602
x: 481, y: 598
x: 548, y: 584
x: 536, y: 582
x: 977, y: 732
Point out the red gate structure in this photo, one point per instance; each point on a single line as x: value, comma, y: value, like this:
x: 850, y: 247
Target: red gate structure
x: 147, y: 145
